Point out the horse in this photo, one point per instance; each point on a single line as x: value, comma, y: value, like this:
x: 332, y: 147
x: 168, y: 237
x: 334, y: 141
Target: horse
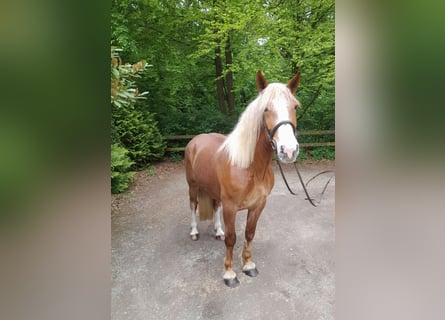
x: 233, y: 173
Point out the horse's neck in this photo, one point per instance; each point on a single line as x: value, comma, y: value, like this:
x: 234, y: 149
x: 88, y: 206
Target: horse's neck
x: 263, y: 153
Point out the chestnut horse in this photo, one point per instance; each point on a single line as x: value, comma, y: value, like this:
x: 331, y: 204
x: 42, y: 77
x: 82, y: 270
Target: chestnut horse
x: 234, y: 173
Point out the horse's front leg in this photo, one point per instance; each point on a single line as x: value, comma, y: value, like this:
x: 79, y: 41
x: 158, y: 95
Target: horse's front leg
x: 229, y: 277
x: 249, y: 267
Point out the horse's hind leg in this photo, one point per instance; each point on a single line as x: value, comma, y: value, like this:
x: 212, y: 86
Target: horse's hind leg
x: 217, y: 220
x: 194, y: 233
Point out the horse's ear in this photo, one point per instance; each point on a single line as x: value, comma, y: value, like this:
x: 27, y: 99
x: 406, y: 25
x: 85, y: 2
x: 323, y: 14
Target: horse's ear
x: 261, y: 82
x: 294, y: 82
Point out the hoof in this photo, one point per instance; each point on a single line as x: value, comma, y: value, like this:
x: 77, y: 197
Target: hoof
x: 194, y: 237
x: 220, y: 238
x: 232, y: 283
x: 251, y: 273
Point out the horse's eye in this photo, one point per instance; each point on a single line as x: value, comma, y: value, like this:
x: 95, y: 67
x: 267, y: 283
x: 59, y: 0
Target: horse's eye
x: 267, y: 109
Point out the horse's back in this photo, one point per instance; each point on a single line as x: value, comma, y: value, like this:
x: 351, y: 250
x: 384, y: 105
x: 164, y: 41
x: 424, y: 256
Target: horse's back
x: 206, y: 142
x: 200, y: 155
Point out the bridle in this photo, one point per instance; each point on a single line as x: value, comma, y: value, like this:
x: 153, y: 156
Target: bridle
x: 270, y: 134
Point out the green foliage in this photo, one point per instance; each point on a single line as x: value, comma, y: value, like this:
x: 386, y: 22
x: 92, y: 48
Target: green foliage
x: 176, y: 156
x: 131, y: 124
x: 181, y: 38
x: 138, y: 132
x: 124, y: 92
x: 196, y: 120
x: 323, y: 153
x: 150, y: 170
x: 120, y: 169
x: 302, y: 155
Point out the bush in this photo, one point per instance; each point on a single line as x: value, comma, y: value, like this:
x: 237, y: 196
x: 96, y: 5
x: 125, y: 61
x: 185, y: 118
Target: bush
x: 323, y: 153
x: 176, y: 157
x: 138, y: 132
x: 121, y: 175
x: 302, y: 155
x: 131, y: 126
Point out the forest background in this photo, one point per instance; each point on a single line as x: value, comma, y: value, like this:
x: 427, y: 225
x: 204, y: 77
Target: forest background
x: 184, y: 67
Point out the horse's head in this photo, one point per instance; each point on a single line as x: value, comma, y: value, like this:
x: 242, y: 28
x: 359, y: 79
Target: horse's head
x: 279, y: 117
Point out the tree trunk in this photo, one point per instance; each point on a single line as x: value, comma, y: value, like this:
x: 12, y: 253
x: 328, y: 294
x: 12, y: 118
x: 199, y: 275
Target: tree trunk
x: 219, y: 80
x: 229, y: 79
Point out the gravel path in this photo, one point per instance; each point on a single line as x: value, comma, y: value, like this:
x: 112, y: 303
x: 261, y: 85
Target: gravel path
x: 159, y: 273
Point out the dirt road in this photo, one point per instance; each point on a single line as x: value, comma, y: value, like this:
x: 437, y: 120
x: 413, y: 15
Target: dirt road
x: 159, y: 273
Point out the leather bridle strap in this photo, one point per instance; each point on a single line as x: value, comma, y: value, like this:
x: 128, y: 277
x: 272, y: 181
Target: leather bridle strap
x: 311, y: 200
x: 271, y: 133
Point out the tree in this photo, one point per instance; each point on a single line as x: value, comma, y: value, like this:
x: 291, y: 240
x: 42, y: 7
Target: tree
x: 205, y: 54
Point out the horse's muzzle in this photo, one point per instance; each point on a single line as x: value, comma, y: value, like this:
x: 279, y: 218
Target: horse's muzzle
x: 288, y: 155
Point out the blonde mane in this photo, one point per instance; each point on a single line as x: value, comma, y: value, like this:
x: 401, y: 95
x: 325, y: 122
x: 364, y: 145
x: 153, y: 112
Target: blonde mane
x: 241, y: 142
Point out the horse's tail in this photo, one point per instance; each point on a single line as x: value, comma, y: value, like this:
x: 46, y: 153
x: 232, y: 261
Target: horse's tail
x: 205, y: 206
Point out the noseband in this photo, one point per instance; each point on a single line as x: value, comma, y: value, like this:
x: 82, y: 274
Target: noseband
x: 271, y: 133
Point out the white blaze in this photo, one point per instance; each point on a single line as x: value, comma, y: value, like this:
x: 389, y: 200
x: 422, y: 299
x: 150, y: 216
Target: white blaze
x: 285, y: 136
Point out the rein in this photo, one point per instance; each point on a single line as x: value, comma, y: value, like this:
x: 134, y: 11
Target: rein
x: 270, y: 134
x: 304, y: 185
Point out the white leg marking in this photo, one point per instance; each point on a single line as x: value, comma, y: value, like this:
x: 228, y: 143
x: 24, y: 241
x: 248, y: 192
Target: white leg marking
x: 194, y: 224
x: 229, y: 274
x: 249, y: 265
x: 218, y: 226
